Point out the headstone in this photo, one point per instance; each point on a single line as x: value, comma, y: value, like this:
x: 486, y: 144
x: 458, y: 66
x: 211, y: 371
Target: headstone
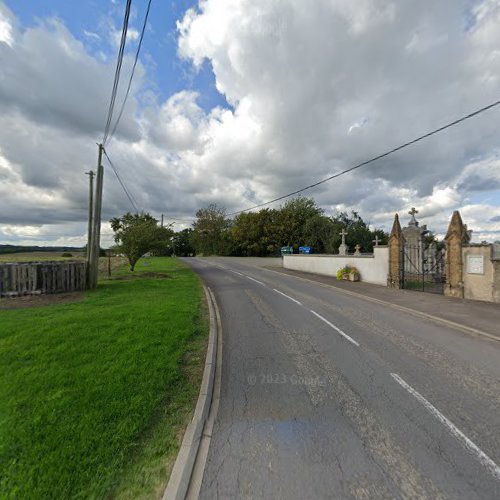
x: 357, y: 250
x: 343, y: 249
x: 414, y: 244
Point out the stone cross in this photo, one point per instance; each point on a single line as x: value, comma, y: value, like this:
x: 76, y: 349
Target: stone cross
x: 358, y: 249
x: 343, y: 233
x: 413, y: 221
x: 376, y: 240
x: 343, y: 247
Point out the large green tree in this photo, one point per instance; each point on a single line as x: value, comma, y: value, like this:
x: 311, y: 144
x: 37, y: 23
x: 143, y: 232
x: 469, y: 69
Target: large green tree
x: 255, y: 234
x: 318, y: 233
x: 182, y: 245
x: 292, y: 219
x: 211, y: 231
x: 137, y: 234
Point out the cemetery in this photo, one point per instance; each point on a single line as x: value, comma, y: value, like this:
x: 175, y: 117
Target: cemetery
x: 458, y: 268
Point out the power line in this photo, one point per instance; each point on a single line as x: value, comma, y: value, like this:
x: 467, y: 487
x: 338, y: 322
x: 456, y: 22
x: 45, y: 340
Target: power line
x: 371, y: 160
x: 133, y: 70
x: 117, y: 71
x: 131, y: 198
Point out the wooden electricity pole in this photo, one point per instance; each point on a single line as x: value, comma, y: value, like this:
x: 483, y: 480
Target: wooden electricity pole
x: 96, y: 223
x: 91, y: 208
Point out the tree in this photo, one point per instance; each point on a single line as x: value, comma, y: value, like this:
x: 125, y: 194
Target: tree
x: 182, y: 243
x: 254, y: 233
x: 137, y: 234
x: 318, y: 231
x: 292, y: 218
x: 358, y: 233
x: 211, y: 231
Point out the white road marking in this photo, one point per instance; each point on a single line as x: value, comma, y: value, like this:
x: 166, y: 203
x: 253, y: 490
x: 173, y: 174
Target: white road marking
x: 236, y: 272
x: 288, y: 297
x: 256, y: 281
x: 337, y: 329
x: 485, y: 460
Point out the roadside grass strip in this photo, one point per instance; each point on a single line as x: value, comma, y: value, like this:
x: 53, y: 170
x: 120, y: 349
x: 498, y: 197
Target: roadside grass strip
x: 95, y: 394
x: 484, y: 459
x: 350, y: 339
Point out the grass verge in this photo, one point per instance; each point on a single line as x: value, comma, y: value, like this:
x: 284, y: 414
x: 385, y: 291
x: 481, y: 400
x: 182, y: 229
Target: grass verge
x: 94, y: 395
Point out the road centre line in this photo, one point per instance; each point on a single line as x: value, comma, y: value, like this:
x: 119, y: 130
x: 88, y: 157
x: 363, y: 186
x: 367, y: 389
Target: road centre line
x: 256, y: 281
x: 337, y: 329
x: 236, y: 272
x: 484, y: 459
x: 288, y: 297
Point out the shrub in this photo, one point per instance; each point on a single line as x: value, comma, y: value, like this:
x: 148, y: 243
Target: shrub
x: 66, y: 254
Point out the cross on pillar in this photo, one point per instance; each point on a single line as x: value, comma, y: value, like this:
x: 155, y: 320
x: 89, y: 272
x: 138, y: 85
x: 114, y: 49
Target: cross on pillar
x: 376, y: 240
x: 413, y: 221
x: 343, y: 233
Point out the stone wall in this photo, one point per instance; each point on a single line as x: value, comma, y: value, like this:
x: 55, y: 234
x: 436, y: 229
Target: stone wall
x: 481, y: 273
x: 373, y: 268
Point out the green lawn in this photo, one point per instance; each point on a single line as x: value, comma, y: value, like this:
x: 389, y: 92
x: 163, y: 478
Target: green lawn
x: 94, y: 395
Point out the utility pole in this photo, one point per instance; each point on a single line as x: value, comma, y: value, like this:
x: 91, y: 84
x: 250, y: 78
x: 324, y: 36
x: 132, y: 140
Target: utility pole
x: 91, y: 208
x: 161, y: 220
x: 96, y: 223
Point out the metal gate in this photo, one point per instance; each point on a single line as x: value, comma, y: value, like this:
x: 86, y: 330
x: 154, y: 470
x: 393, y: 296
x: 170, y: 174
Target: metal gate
x: 424, y: 268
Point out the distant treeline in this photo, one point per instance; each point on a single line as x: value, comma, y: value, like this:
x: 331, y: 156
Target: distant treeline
x: 299, y: 222
x: 21, y: 249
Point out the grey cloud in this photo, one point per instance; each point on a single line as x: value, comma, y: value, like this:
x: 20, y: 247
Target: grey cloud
x: 298, y: 76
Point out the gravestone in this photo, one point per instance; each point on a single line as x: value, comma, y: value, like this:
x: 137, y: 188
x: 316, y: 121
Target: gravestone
x: 414, y: 244
x: 343, y: 248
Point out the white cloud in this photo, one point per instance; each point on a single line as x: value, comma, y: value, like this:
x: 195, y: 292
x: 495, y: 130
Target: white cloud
x: 91, y: 35
x: 5, y: 29
x: 314, y: 88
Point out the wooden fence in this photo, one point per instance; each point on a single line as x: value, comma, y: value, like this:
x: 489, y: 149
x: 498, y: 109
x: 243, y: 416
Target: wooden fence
x: 27, y: 278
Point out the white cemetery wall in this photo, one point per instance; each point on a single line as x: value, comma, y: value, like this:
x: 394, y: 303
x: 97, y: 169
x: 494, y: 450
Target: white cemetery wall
x: 478, y: 273
x: 372, y: 268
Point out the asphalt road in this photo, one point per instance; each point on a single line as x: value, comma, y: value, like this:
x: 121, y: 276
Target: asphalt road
x: 325, y: 395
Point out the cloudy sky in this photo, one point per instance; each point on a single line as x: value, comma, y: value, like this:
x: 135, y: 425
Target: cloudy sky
x: 240, y: 101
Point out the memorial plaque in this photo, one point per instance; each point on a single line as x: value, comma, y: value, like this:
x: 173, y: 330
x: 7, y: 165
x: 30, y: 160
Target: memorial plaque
x: 475, y: 264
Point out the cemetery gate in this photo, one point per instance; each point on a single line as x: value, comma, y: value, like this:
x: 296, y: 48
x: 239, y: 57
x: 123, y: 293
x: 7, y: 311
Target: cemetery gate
x: 423, y: 268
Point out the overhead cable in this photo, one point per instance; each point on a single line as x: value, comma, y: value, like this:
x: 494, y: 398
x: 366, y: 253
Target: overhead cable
x: 117, y: 71
x: 133, y: 71
x: 130, y: 196
x: 375, y: 158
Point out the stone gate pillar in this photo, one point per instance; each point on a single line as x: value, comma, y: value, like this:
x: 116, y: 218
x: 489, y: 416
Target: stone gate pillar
x: 456, y: 237
x: 396, y: 249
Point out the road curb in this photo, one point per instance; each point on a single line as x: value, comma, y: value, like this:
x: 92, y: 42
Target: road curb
x: 452, y: 324
x: 180, y: 477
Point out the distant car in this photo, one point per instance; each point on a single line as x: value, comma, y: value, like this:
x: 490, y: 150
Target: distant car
x: 286, y: 250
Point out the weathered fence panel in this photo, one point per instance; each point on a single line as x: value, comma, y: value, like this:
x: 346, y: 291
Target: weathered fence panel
x: 27, y: 278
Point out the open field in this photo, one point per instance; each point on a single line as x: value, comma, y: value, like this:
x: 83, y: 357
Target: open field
x: 94, y: 394
x: 39, y: 256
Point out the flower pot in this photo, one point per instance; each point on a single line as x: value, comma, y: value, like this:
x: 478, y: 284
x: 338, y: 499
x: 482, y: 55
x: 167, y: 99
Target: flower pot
x: 345, y: 276
x: 353, y: 276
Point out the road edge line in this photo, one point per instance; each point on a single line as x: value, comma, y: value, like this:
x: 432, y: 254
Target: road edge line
x: 437, y: 319
x: 180, y: 477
